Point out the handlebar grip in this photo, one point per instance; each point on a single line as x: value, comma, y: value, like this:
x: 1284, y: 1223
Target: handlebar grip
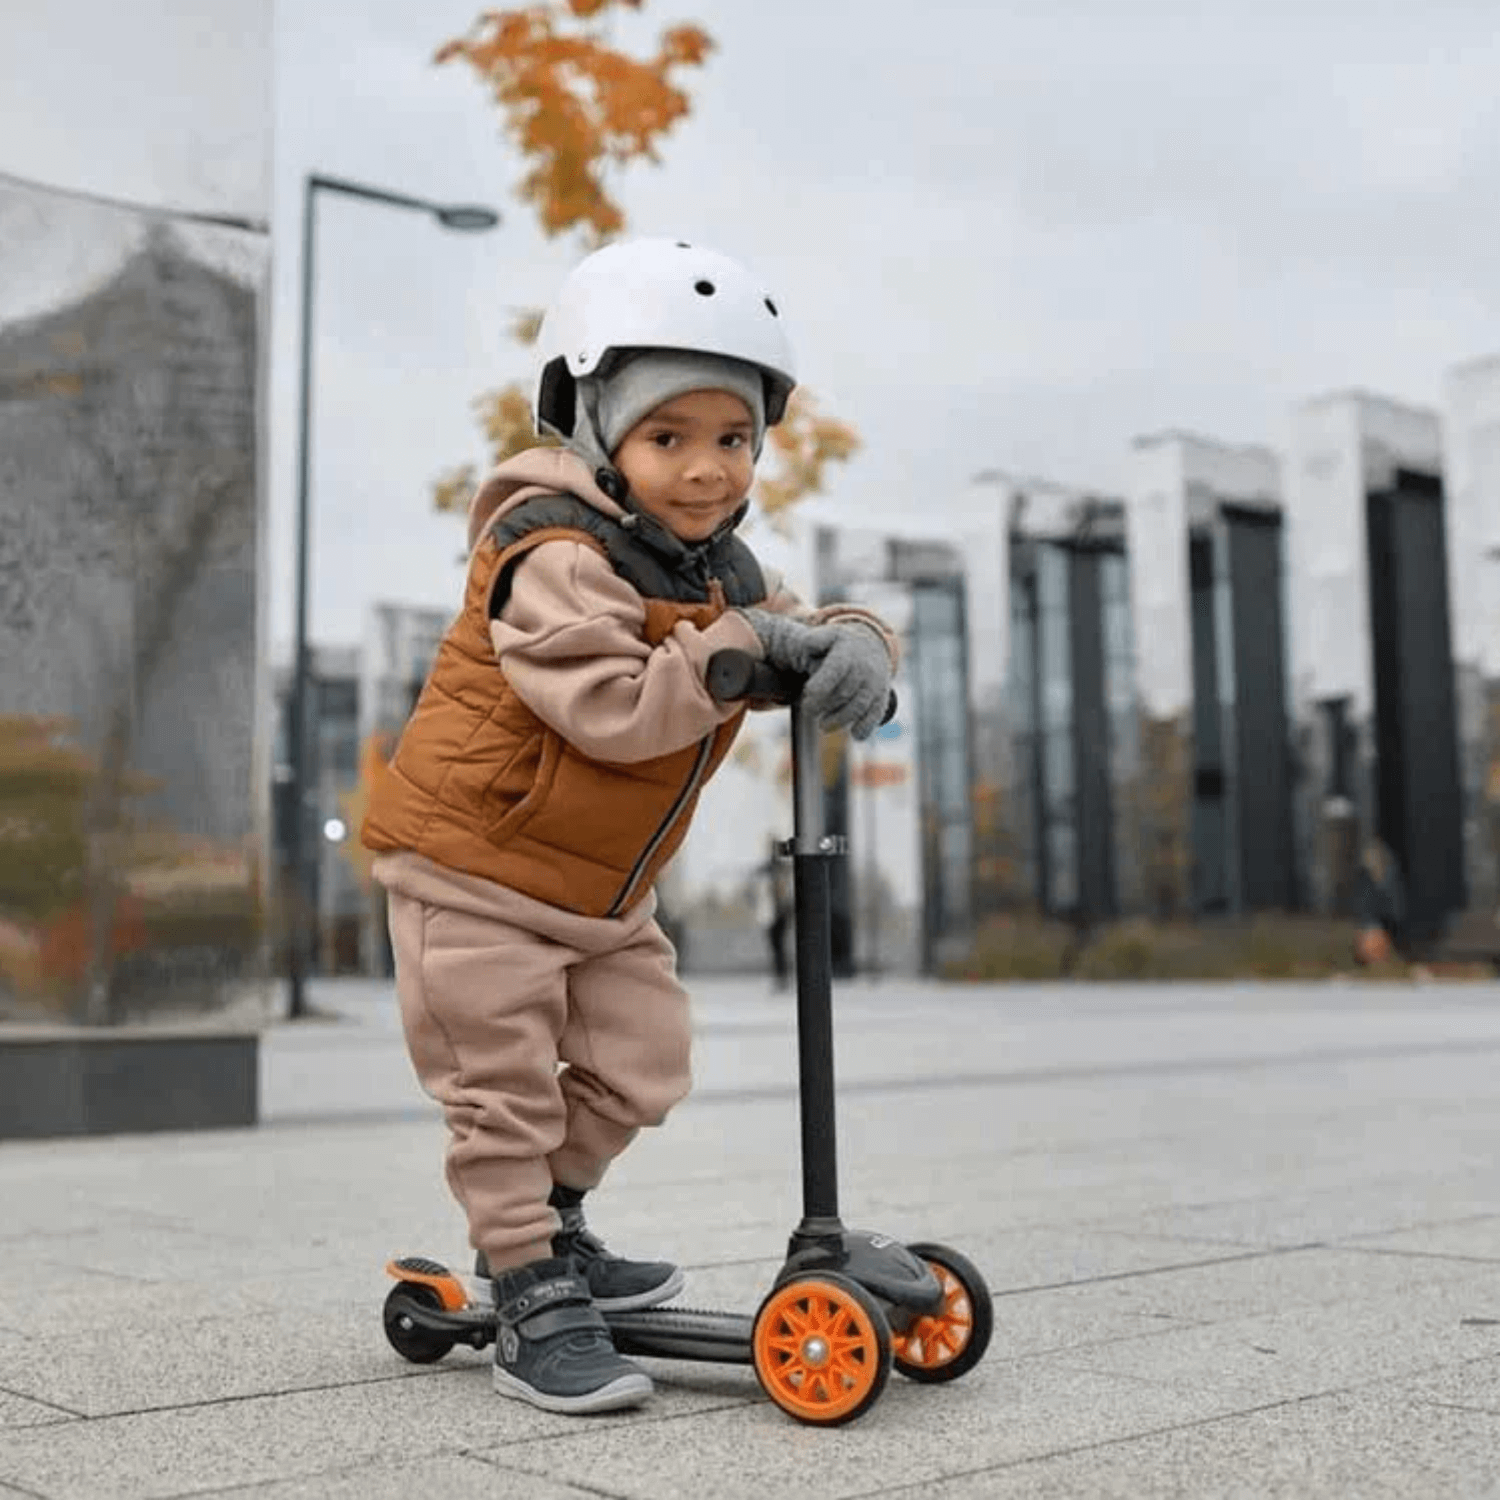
x: 734, y: 674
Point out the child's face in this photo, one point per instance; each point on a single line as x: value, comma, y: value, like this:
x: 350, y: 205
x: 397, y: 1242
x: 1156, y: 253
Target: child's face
x: 689, y: 462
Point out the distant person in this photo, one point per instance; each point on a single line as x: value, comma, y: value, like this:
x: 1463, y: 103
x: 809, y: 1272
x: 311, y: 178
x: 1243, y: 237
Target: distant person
x: 552, y: 765
x: 1380, y: 906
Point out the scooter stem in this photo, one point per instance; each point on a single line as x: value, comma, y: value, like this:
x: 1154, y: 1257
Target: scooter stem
x: 812, y: 850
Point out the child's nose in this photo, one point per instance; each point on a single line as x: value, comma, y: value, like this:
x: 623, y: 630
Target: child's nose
x: 705, y: 464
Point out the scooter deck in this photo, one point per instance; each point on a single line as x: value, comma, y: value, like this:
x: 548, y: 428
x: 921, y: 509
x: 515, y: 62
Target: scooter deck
x: 683, y: 1333
x: 662, y: 1332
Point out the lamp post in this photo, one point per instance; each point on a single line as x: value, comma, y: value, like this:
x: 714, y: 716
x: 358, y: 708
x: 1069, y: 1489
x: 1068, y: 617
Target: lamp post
x: 456, y: 216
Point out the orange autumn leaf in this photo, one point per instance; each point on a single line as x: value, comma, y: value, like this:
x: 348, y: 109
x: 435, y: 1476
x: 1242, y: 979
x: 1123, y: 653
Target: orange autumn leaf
x: 573, y: 104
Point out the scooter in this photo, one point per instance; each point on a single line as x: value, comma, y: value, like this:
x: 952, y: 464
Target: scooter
x: 847, y: 1305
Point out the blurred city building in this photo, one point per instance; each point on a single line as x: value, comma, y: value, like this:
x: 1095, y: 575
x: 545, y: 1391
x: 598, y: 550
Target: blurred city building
x: 1207, y: 530
x: 1206, y: 697
x: 1072, y: 702
x: 359, y: 698
x: 1372, y: 652
x: 920, y: 585
x: 1471, y: 461
x: 334, y: 681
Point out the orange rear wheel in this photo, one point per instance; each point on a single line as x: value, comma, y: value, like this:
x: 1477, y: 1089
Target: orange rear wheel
x: 950, y: 1342
x: 822, y: 1349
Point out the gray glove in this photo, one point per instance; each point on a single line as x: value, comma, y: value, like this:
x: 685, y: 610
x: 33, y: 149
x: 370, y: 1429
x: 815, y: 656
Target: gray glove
x: 851, y: 684
x: 789, y: 643
x: 846, y: 666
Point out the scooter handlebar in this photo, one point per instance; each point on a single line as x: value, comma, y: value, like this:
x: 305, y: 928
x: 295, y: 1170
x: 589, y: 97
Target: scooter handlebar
x: 733, y: 675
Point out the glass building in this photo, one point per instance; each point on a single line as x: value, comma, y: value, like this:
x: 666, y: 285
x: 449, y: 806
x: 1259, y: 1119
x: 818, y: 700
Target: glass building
x: 1374, y: 641
x: 934, y: 577
x: 1071, y: 707
x: 939, y: 671
x: 1244, y: 853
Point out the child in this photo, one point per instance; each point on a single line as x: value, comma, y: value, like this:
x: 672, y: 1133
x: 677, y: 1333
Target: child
x: 552, y: 764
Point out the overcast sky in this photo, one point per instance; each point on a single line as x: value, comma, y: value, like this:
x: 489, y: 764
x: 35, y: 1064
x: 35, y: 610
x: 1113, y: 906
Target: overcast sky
x: 1003, y: 234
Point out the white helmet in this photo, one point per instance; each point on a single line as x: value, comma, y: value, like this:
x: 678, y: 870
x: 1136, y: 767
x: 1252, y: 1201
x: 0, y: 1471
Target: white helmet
x: 656, y: 294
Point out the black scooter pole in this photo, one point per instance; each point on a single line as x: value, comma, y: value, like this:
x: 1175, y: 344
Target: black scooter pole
x: 734, y: 675
x: 812, y: 851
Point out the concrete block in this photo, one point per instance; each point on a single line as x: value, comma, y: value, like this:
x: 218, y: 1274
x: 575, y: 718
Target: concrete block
x: 108, y: 1081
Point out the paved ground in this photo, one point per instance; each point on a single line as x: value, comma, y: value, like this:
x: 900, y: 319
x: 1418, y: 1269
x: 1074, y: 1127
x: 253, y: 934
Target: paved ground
x: 1244, y: 1241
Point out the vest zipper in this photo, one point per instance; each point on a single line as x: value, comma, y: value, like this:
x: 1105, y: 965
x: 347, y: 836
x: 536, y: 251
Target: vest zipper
x: 705, y: 749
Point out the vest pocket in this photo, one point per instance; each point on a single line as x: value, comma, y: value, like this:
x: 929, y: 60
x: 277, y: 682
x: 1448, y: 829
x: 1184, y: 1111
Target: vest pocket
x: 521, y: 787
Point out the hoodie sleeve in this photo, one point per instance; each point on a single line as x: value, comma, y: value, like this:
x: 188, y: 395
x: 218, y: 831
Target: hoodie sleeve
x: 570, y: 641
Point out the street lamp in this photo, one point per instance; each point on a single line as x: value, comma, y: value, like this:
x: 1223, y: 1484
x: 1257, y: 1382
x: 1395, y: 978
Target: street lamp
x: 456, y: 216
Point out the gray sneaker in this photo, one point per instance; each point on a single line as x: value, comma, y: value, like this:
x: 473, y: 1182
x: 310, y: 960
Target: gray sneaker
x: 615, y: 1283
x: 552, y: 1346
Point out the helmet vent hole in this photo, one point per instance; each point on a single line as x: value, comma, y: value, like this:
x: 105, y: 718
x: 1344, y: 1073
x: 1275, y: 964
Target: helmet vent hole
x: 683, y: 245
x: 771, y: 308
x: 704, y: 288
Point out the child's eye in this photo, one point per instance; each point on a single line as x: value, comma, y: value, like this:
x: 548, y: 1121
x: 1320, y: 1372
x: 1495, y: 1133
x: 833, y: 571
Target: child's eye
x: 733, y: 440
x: 664, y: 439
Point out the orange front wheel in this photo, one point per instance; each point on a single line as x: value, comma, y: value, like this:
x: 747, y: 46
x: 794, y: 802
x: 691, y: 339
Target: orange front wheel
x: 950, y: 1342
x: 822, y: 1349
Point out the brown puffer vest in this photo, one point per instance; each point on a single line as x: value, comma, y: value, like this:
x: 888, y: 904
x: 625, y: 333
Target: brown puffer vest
x: 480, y: 784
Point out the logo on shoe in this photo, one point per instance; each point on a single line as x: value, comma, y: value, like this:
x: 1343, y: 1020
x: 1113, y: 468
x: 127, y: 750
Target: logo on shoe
x: 510, y: 1345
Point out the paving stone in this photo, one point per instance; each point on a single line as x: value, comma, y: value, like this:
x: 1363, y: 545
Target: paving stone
x: 1356, y: 1210
x: 1477, y: 1238
x: 1310, y: 1351
x: 164, y: 1360
x: 1363, y: 1444
x: 19, y: 1411
x: 1228, y: 1238
x: 448, y: 1478
x: 1471, y: 1382
x: 251, y: 1443
x: 1001, y: 1412
x: 1273, y: 1282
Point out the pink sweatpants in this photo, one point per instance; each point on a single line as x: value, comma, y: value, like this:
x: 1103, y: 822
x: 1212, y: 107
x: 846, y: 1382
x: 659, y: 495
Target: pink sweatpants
x: 549, y: 1039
